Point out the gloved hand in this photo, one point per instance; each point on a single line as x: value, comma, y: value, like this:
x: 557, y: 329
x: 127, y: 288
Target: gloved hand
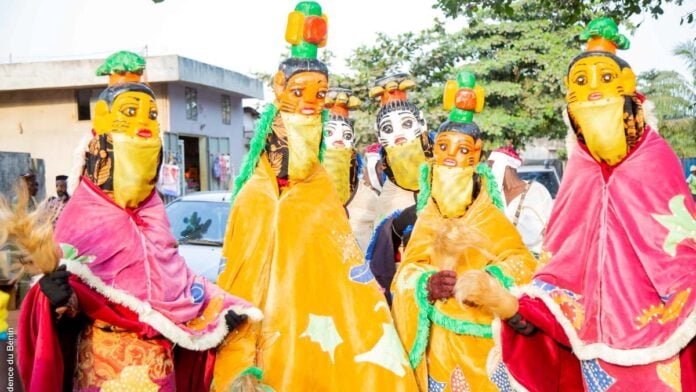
x: 479, y: 288
x: 234, y: 320
x: 441, y: 285
x: 56, y: 288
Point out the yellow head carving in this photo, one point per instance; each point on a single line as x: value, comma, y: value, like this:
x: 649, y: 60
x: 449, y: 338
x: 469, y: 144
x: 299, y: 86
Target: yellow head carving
x: 597, y: 77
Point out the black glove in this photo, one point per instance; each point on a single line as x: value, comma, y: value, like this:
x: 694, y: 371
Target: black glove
x: 55, y: 286
x: 520, y: 325
x: 233, y: 320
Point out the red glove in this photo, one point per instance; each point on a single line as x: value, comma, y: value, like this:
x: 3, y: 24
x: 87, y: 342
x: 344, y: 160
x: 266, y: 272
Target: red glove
x: 441, y: 285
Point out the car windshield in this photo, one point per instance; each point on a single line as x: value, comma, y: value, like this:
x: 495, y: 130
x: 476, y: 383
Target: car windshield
x: 198, y: 222
x: 546, y: 178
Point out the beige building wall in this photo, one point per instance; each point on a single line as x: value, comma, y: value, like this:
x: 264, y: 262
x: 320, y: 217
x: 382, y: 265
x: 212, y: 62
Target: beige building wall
x: 44, y: 123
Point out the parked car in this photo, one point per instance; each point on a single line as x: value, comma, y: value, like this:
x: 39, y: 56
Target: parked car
x: 198, y: 223
x: 547, y: 172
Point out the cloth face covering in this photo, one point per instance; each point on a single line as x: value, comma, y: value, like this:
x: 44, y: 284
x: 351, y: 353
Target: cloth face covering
x: 136, y: 163
x: 452, y: 189
x: 601, y: 124
x: 304, y: 139
x: 337, y: 162
x: 405, y: 160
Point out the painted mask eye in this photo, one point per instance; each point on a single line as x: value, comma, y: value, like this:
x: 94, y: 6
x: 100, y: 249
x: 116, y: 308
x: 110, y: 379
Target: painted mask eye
x: 581, y: 80
x: 442, y: 146
x: 407, y: 124
x: 153, y: 115
x: 321, y: 94
x: 464, y: 150
x: 130, y: 111
x: 607, y: 77
x: 297, y: 92
x: 329, y: 132
x: 347, y: 135
x: 387, y: 129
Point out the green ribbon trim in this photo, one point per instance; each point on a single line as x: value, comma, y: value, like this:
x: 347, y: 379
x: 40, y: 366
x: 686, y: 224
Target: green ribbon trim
x: 258, y: 142
x: 427, y: 313
x: 254, y: 371
x: 424, y: 186
x: 496, y: 272
x: 484, y: 171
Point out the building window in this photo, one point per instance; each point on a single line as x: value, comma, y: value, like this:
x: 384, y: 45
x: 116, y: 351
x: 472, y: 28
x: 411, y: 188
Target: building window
x: 191, y: 103
x: 82, y: 98
x: 226, y: 109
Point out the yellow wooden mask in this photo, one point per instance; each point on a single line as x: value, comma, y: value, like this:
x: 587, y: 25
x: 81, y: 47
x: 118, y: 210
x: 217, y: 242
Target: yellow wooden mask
x: 456, y: 149
x: 128, y: 114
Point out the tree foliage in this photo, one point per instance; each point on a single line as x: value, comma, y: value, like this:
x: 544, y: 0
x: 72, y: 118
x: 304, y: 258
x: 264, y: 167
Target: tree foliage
x: 567, y: 11
x: 675, y: 101
x: 519, y: 60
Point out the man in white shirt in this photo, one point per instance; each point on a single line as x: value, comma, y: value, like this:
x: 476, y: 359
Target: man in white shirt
x: 527, y: 204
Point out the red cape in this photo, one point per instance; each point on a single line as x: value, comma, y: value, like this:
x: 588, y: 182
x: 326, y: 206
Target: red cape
x: 46, y: 352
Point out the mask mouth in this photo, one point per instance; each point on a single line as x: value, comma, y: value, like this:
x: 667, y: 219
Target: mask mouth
x: 144, y: 133
x: 400, y: 140
x: 308, y: 111
x: 594, y: 96
x: 339, y: 143
x: 449, y: 162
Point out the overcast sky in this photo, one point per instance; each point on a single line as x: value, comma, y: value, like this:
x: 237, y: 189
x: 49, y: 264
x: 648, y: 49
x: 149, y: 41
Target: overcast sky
x: 247, y: 35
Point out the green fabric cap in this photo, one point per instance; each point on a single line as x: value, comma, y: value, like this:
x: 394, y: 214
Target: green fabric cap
x: 309, y: 8
x: 605, y: 28
x: 122, y: 62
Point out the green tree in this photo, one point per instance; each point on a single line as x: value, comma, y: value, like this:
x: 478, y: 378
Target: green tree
x: 675, y: 101
x: 567, y: 11
x: 520, y: 61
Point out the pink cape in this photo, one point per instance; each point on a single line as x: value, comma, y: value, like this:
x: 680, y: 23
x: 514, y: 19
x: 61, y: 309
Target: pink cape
x: 619, y: 287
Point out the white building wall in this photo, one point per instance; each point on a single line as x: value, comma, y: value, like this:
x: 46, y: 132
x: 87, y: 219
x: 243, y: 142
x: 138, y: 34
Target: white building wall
x: 209, y: 122
x: 44, y: 123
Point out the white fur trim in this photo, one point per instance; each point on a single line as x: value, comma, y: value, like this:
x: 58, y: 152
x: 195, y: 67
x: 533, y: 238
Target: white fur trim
x: 156, y: 319
x: 622, y: 357
x: 78, y: 163
x: 495, y: 356
x: 649, y: 114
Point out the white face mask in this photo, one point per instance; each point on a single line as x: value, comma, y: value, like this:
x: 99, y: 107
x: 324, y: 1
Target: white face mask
x: 338, y: 134
x: 398, y: 127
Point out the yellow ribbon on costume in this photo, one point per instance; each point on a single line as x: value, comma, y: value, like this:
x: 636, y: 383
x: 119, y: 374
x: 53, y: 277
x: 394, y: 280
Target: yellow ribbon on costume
x: 452, y: 189
x: 337, y: 162
x: 136, y: 161
x: 405, y: 160
x: 4, y: 300
x: 602, y: 126
x: 304, y: 140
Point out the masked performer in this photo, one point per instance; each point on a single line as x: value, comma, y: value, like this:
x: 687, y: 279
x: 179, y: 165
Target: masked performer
x: 144, y: 320
x: 614, y: 308
x: 290, y: 249
x: 402, y: 132
x: 344, y: 165
x: 460, y: 228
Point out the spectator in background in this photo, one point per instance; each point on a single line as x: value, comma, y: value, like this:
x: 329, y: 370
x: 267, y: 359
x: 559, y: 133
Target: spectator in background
x: 56, y: 203
x: 527, y: 204
x: 32, y: 185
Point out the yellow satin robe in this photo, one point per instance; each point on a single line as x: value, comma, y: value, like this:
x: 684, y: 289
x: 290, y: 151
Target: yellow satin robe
x: 454, y: 361
x: 292, y: 256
